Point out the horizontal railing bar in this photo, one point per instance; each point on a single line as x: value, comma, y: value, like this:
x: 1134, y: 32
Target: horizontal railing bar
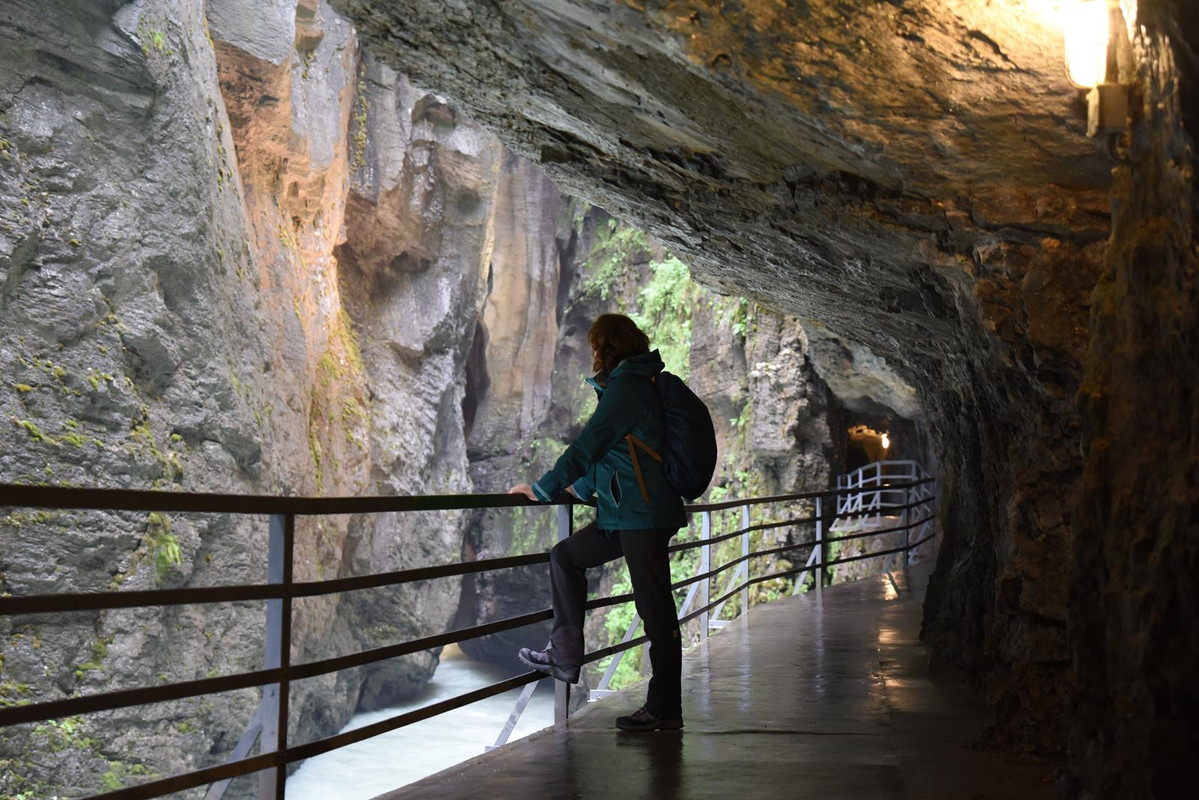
x: 789, y: 572
x: 783, y: 498
x: 335, y: 585
x: 53, y: 709
x: 875, y: 555
x: 675, y: 548
x: 37, y: 712
x: 190, y: 780
x: 94, y: 601
x: 97, y: 601
x: 601, y: 602
x: 609, y: 601
x: 761, y: 526
x: 23, y: 496
x: 881, y: 531
x: 300, y: 752
x: 617, y: 648
x: 712, y: 573
x: 303, y: 751
x: 33, y: 496
x: 124, y: 698
x: 45, y: 604
x: 313, y: 668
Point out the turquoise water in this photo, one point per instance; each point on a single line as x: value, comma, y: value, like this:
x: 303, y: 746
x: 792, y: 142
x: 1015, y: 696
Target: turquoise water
x: 394, y: 759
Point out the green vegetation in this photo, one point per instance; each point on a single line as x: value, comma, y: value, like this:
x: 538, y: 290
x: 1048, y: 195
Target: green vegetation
x: 336, y: 399
x: 663, y: 304
x: 361, y: 109
x: 97, y: 378
x: 142, y: 435
x: 61, y: 734
x: 18, y: 518
x: 665, y: 313
x: 318, y: 456
x: 608, y: 264
x: 71, y: 437
x: 14, y: 693
x: 119, y: 773
x: 161, y: 544
x: 34, y: 431
x: 99, y: 653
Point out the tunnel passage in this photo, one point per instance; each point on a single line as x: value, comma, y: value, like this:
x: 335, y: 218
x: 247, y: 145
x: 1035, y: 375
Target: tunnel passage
x: 917, y: 179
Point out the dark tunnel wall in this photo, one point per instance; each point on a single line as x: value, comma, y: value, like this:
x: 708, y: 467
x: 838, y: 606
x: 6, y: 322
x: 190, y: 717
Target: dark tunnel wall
x: 1135, y: 580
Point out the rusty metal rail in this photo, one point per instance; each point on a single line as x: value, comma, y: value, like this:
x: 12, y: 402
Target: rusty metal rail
x: 269, y: 724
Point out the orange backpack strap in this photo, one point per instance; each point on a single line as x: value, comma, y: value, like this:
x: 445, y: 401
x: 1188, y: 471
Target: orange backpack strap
x: 648, y: 450
x: 637, y: 468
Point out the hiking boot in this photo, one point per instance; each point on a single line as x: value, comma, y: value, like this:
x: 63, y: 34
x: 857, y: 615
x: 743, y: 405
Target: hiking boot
x: 642, y: 720
x: 543, y: 661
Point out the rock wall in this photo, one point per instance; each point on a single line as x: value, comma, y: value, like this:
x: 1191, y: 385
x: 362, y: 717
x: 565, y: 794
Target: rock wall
x: 119, y: 222
x: 1135, y: 717
x: 236, y: 256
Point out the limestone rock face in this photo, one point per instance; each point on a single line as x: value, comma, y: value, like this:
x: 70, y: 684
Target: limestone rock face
x: 414, y: 268
x: 117, y: 222
x: 198, y: 295
x: 862, y: 380
x: 914, y: 177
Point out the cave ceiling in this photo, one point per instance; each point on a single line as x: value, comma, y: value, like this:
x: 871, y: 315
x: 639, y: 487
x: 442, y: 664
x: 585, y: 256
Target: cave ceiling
x: 840, y: 160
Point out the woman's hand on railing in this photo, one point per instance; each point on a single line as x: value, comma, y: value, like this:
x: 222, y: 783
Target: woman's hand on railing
x: 525, y: 489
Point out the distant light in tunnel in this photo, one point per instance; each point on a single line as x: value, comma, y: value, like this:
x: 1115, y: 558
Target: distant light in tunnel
x: 886, y: 442
x: 1087, y: 27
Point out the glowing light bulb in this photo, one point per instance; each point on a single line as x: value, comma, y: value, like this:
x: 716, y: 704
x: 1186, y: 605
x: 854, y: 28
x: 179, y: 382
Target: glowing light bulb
x: 886, y: 441
x: 1087, y: 25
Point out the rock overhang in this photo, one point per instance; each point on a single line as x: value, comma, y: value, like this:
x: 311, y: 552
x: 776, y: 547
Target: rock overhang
x: 839, y: 161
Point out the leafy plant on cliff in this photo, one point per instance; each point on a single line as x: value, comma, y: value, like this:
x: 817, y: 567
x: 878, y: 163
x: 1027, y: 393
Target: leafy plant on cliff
x: 607, y: 266
x: 664, y: 313
x: 161, y: 545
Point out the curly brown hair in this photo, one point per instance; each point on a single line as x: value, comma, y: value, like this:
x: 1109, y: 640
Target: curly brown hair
x: 613, y: 338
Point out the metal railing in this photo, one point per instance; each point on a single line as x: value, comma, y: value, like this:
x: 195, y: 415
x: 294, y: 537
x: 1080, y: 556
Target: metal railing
x: 876, y: 489
x: 270, y: 722
x: 871, y: 489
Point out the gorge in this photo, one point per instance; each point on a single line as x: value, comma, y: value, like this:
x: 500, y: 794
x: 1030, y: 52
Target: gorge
x: 301, y: 247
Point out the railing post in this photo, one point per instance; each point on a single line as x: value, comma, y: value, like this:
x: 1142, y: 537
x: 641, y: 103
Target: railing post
x: 907, y: 535
x: 820, y: 559
x: 561, y: 688
x: 705, y: 564
x: 745, y: 552
x: 272, y: 783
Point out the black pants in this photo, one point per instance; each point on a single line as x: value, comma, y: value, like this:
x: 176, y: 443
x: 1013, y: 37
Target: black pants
x: 649, y: 568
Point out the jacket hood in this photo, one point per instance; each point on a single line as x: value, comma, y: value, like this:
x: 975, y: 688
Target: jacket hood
x: 647, y: 365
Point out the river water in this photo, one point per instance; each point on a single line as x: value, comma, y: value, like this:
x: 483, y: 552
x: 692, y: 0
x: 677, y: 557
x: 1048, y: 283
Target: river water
x: 380, y: 764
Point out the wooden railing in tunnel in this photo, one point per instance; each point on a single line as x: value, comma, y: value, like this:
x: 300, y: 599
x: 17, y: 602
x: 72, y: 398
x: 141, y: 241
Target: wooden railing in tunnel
x: 269, y: 724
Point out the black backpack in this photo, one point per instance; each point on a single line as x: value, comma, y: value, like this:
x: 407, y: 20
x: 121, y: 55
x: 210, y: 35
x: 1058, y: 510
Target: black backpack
x: 689, y: 457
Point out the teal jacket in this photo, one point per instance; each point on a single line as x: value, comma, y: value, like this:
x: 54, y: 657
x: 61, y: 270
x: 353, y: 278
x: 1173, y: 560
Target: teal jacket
x: 598, y: 461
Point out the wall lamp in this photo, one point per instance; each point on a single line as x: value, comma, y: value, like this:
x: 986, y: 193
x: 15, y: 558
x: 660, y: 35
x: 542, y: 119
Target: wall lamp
x: 1095, y: 31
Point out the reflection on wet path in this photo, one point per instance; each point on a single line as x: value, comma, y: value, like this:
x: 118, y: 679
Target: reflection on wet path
x: 828, y: 700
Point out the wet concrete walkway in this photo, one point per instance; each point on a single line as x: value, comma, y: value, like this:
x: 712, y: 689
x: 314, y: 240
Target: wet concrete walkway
x: 802, y: 699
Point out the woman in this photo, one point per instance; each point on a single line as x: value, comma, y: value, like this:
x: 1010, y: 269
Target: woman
x: 637, y: 513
